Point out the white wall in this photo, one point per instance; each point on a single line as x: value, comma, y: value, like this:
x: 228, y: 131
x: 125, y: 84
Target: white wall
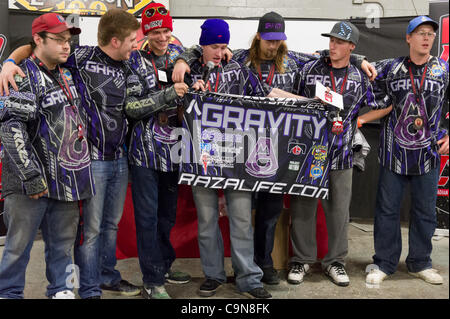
x: 303, y: 36
x: 320, y: 9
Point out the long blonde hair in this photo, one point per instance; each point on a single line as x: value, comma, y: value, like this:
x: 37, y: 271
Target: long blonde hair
x: 255, y: 60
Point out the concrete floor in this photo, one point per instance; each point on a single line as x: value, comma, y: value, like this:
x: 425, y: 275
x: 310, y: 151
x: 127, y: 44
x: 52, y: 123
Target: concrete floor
x: 316, y: 286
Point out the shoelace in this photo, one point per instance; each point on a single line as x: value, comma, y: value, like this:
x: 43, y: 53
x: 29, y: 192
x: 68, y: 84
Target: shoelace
x: 298, y: 268
x: 340, y: 271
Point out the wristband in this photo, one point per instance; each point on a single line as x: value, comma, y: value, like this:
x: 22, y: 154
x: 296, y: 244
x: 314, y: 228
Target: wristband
x: 9, y: 60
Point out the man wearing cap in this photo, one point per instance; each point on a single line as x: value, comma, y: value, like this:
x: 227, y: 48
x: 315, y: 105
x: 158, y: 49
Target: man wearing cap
x: 338, y: 73
x: 276, y: 67
x: 46, y: 163
x: 100, y: 75
x: 151, y: 105
x: 412, y: 141
x: 230, y: 78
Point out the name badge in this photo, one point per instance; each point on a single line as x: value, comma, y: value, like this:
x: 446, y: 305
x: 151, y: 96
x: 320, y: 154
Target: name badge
x: 162, y: 76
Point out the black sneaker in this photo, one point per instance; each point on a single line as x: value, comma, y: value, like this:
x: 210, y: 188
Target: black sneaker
x: 123, y: 287
x: 177, y: 277
x: 270, y: 276
x: 93, y: 297
x: 209, y: 287
x: 258, y: 293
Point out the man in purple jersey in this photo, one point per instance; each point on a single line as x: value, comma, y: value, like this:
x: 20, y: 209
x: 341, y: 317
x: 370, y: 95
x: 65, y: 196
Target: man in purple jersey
x: 46, y: 163
x: 230, y: 78
x: 151, y: 105
x: 412, y: 141
x: 338, y: 73
x: 99, y: 74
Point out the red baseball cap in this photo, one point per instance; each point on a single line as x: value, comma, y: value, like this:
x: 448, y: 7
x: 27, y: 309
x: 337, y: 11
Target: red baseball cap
x: 52, y: 23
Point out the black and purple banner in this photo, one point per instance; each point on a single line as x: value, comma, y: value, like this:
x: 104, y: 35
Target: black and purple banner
x: 255, y: 144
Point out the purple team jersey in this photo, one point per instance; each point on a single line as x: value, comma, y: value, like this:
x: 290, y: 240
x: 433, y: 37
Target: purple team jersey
x: 101, y: 83
x: 150, y: 143
x: 407, y: 148
x: 358, y: 92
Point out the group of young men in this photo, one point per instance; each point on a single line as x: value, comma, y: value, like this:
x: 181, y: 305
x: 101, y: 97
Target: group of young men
x: 74, y: 126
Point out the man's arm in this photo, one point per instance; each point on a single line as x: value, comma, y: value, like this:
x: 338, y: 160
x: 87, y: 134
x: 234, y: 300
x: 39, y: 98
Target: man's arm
x: 18, y: 111
x: 142, y: 101
x: 356, y: 59
x: 284, y: 94
x: 373, y: 115
x: 10, y: 69
x: 184, y: 61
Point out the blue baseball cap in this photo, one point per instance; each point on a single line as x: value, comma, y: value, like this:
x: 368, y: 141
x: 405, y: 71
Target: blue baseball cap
x: 414, y: 23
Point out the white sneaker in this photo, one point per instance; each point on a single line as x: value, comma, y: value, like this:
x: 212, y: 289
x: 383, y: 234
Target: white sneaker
x: 297, y: 272
x: 430, y: 275
x: 375, y: 277
x: 65, y: 294
x: 337, y: 274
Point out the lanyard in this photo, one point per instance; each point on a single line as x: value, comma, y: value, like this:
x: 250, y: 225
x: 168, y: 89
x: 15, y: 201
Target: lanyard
x: 65, y: 88
x: 156, y: 70
x: 271, y: 75
x: 417, y: 94
x: 217, y: 80
x: 343, y: 83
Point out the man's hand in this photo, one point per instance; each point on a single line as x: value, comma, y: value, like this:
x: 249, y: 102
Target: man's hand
x: 180, y: 88
x: 7, y: 76
x: 180, y: 68
x: 199, y: 85
x: 228, y: 55
x: 443, y: 145
x: 37, y: 196
x: 369, y: 69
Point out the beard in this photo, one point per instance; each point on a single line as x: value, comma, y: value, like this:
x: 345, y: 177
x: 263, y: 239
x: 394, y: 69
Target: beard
x: 269, y: 54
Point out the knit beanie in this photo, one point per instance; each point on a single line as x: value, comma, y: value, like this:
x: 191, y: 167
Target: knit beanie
x: 155, y: 16
x: 214, y: 31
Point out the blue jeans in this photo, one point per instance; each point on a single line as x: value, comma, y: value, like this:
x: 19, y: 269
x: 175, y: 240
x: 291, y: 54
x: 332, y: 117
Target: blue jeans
x: 268, y: 210
x: 155, y: 209
x: 23, y: 216
x: 95, y: 248
x: 387, y: 235
x: 248, y: 274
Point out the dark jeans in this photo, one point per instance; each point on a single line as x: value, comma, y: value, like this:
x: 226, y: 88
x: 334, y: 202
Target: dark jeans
x: 268, y: 210
x: 387, y: 233
x: 155, y: 209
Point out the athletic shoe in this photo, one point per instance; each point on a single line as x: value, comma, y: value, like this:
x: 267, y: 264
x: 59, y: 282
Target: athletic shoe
x: 258, y: 293
x: 65, y: 294
x: 155, y: 292
x: 297, y: 272
x: 123, y: 287
x: 430, y: 276
x: 337, y: 274
x: 375, y: 277
x: 209, y: 287
x: 177, y: 277
x: 270, y: 276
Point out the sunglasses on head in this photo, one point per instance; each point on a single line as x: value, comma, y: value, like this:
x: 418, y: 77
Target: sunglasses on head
x: 151, y: 11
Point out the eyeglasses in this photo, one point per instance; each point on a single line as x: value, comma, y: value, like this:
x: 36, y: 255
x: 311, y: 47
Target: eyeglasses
x: 61, y: 41
x: 151, y: 11
x: 425, y: 34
